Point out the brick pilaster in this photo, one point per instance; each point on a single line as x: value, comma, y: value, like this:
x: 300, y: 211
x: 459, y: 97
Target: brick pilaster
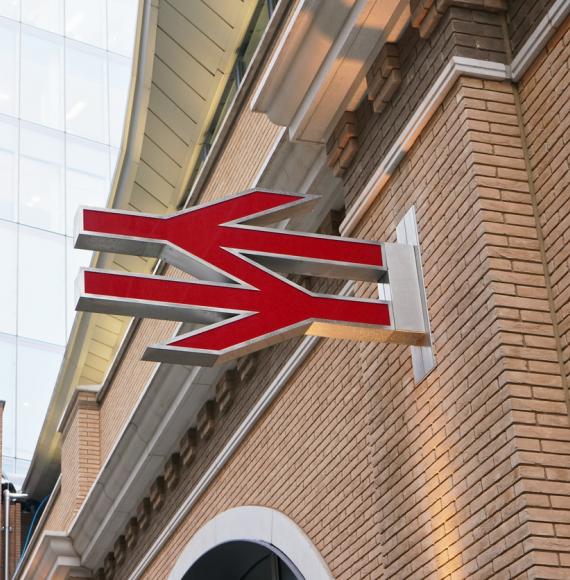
x: 80, y: 448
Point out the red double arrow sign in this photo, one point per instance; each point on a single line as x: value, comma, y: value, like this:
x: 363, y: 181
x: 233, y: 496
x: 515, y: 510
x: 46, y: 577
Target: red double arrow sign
x: 245, y: 304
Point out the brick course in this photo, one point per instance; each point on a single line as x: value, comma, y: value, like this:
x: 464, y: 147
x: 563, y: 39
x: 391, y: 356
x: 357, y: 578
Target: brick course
x: 546, y: 114
x: 522, y: 18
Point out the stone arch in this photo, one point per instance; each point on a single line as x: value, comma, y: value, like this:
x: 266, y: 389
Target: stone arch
x: 259, y: 525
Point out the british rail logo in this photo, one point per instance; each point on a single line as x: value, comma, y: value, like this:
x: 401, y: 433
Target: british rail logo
x: 238, y: 298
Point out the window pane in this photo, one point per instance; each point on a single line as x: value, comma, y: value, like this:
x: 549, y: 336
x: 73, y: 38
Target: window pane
x: 119, y: 81
x: 8, y: 168
x: 76, y: 259
x: 42, y: 193
x: 8, y: 287
x: 9, y: 61
x: 47, y: 14
x: 41, y: 289
x: 38, y: 365
x: 86, y: 20
x: 87, y: 176
x: 122, y: 15
x: 10, y: 8
x: 42, y: 78
x: 86, y: 92
x: 8, y: 393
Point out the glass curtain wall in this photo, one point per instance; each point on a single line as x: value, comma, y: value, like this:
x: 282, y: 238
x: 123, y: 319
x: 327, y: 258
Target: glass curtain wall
x: 66, y: 67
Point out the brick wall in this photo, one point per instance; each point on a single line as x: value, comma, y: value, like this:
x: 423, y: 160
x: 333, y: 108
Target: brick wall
x: 245, y: 151
x: 459, y: 475
x: 544, y: 101
x: 464, y: 457
x: 522, y: 18
x: 545, y: 105
x: 306, y: 441
x: 80, y: 454
x: 461, y: 32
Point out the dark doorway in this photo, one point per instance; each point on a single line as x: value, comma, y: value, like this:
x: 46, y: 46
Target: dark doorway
x: 242, y: 560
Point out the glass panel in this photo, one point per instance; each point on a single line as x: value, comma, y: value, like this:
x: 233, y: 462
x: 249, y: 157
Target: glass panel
x: 10, y: 8
x: 41, y: 98
x: 41, y: 288
x: 42, y: 185
x: 46, y: 14
x: 86, y: 92
x: 8, y: 393
x: 9, y: 65
x: 8, y: 168
x: 86, y: 20
x: 119, y: 81
x: 76, y: 259
x: 256, y: 30
x: 87, y: 176
x: 38, y: 365
x: 9, y: 285
x: 122, y: 18
x: 21, y: 469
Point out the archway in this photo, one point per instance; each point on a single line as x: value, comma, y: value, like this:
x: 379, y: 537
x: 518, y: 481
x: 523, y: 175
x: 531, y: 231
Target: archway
x: 242, y: 561
x: 254, y: 539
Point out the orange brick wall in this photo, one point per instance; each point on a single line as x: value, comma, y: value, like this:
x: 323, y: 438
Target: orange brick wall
x: 251, y: 139
x: 80, y: 455
x: 307, y: 441
x: 130, y: 380
x: 456, y: 474
x: 464, y: 458
x: 546, y: 111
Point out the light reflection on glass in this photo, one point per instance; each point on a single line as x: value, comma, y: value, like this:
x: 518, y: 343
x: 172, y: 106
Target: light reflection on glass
x: 63, y: 90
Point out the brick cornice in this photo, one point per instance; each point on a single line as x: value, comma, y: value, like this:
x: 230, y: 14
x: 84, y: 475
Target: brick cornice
x: 456, y: 67
x: 426, y: 14
x: 538, y: 39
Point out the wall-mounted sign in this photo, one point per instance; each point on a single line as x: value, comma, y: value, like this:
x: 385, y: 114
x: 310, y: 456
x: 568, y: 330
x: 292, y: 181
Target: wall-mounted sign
x: 237, y: 292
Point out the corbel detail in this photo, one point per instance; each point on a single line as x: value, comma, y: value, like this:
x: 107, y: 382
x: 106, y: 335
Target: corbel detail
x: 426, y: 14
x: 187, y: 446
x: 384, y: 77
x: 172, y: 471
x: 342, y: 145
x: 207, y: 419
x: 226, y: 390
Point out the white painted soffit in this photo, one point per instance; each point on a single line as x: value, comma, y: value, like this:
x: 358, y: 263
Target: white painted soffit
x: 183, y: 55
x: 54, y: 557
x: 318, y: 69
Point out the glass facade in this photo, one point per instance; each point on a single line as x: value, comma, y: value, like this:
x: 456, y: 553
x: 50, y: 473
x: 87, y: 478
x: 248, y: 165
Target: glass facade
x: 66, y: 67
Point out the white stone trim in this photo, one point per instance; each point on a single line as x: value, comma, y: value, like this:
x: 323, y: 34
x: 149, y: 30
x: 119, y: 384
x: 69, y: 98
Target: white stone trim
x: 456, y: 67
x: 320, y: 63
x: 298, y: 357
x: 38, y: 531
x: 540, y: 36
x: 261, y: 525
x: 54, y: 558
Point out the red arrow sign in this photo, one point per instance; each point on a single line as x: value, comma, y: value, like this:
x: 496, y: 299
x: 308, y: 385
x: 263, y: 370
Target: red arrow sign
x: 246, y: 305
